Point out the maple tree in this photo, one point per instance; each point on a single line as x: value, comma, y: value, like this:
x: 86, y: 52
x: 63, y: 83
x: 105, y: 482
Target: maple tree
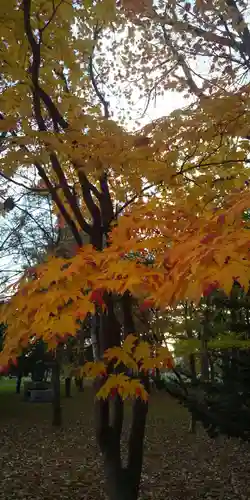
x: 199, y: 48
x: 171, y: 183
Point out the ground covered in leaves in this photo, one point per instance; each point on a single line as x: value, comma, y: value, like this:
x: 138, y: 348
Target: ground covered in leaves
x: 41, y: 463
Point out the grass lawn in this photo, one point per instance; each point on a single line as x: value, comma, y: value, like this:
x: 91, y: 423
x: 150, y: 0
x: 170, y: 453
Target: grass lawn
x: 41, y: 463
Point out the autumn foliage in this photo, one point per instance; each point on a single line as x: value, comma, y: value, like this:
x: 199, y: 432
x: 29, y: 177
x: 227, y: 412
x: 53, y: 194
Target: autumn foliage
x: 175, y: 190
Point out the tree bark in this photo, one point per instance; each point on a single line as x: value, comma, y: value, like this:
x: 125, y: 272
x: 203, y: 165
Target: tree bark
x: 211, y: 368
x: 56, y: 404
x: 192, y: 364
x: 79, y: 384
x: 18, y: 383
x: 68, y: 387
x: 122, y: 482
x: 193, y: 421
x: 204, y: 337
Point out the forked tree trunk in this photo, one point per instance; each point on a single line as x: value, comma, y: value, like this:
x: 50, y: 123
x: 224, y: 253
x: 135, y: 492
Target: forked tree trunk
x: 122, y: 481
x: 56, y: 404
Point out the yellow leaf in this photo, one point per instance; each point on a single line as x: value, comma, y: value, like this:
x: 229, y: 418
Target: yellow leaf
x: 52, y: 344
x: 121, y: 356
x: 142, y: 351
x: 129, y: 343
x: 93, y: 369
x: 113, y: 353
x: 124, y: 386
x: 148, y: 364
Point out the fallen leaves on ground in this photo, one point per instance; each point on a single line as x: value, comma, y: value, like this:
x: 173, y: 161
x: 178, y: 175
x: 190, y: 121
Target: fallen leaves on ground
x: 41, y: 463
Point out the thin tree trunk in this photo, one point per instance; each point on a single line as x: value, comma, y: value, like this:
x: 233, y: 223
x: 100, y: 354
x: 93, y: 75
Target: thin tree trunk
x: 80, y: 384
x: 193, y: 422
x: 192, y: 365
x: 204, y: 361
x: 204, y: 337
x: 57, y: 410
x: 68, y: 387
x: 18, y: 383
x: 211, y: 369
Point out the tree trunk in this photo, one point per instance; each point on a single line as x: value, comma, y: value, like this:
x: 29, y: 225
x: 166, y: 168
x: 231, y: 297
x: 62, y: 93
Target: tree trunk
x: 122, y: 483
x: 192, y: 425
x: 57, y: 410
x: 68, y: 387
x: 204, y: 337
x: 193, y: 422
x: 79, y: 384
x: 18, y: 383
x: 192, y: 364
x: 211, y: 369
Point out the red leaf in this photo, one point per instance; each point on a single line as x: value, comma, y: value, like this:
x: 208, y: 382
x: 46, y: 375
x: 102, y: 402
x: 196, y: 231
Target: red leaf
x: 79, y: 314
x: 169, y: 363
x: 210, y: 288
x: 96, y: 296
x: 147, y: 304
x: 113, y: 392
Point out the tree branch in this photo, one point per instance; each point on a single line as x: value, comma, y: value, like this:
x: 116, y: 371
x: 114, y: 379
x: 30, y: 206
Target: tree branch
x: 68, y: 195
x: 87, y: 187
x: 106, y: 204
x: 180, y: 59
x: 131, y: 200
x: 93, y: 80
x: 59, y: 204
x: 48, y: 236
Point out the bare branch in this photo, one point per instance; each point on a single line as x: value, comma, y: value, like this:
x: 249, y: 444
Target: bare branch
x: 55, y: 8
x: 33, y: 190
x: 26, y: 212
